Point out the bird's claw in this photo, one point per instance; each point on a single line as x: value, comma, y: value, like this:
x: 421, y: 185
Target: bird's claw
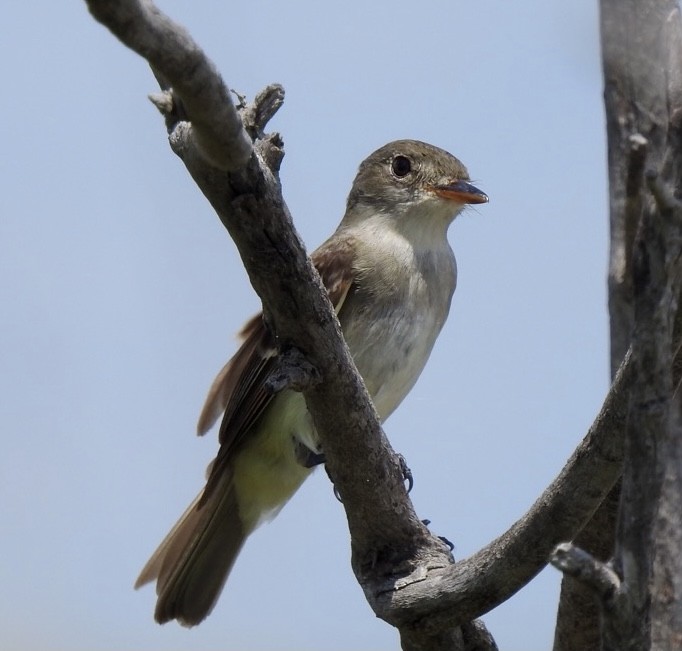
x: 407, y: 473
x: 443, y: 539
x: 404, y: 469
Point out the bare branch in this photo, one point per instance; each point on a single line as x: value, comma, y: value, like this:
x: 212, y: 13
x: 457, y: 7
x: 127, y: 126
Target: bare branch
x: 216, y: 126
x: 474, y: 586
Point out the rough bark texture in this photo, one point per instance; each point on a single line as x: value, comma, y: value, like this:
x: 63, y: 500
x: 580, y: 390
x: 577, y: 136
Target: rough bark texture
x: 644, y: 554
x: 641, y: 59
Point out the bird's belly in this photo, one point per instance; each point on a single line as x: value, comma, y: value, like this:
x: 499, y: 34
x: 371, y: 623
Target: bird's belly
x: 266, y: 471
x: 393, y: 354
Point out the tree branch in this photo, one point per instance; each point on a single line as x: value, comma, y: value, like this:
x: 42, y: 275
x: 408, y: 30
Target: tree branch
x: 474, y: 586
x: 216, y: 126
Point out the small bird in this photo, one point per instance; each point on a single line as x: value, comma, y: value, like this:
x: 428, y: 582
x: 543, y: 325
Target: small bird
x: 390, y: 274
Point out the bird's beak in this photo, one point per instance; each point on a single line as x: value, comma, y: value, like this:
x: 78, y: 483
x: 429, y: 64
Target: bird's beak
x: 461, y: 191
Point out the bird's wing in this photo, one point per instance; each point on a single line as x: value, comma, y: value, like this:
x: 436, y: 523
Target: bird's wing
x: 239, y: 389
x: 237, y: 379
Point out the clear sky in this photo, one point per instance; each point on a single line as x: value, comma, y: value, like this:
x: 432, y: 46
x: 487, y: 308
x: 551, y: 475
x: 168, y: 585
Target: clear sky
x: 120, y: 293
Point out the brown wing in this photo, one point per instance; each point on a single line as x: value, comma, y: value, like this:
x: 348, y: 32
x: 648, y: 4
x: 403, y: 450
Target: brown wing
x: 239, y: 389
x: 334, y: 262
x: 230, y: 389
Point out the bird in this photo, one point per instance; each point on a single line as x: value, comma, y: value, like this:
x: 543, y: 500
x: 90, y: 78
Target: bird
x: 390, y: 274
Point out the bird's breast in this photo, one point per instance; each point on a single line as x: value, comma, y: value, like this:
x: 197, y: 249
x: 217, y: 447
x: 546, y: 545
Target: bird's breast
x: 391, y: 323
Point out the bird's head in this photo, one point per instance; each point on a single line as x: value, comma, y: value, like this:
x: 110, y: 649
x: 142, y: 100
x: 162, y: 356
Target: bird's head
x: 409, y: 179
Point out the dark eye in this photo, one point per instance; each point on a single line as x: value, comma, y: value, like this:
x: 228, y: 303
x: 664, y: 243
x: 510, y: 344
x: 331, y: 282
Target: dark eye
x: 401, y: 166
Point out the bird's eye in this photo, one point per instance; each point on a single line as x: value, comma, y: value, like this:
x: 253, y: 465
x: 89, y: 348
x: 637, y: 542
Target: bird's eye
x: 401, y: 166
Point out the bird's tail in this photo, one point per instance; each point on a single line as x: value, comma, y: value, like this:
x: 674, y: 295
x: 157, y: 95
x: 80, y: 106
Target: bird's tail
x: 192, y: 563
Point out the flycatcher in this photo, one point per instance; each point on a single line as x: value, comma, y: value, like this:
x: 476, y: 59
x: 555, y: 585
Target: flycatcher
x: 390, y: 274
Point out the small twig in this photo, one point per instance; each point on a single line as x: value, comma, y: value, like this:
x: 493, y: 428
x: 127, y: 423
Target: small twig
x: 163, y: 101
x: 258, y: 113
x: 595, y: 574
x: 241, y: 99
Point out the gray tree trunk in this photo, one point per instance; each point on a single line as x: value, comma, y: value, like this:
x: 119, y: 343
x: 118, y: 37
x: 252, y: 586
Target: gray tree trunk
x: 642, y: 59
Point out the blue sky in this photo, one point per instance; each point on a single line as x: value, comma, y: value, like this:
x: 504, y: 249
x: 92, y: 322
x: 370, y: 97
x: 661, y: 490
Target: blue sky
x: 121, y: 291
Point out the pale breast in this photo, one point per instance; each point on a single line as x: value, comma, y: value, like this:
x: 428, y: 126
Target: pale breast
x: 391, y: 322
